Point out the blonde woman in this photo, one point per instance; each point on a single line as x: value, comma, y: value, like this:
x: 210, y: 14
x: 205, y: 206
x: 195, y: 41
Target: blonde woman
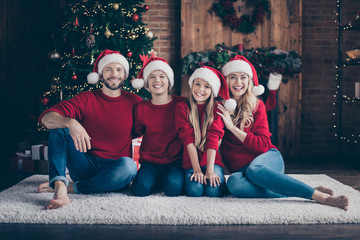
x: 200, y: 130
x: 256, y: 164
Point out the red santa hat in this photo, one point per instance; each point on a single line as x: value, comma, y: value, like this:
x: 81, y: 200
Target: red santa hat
x: 106, y: 57
x: 217, y: 82
x: 241, y: 64
x: 150, y: 65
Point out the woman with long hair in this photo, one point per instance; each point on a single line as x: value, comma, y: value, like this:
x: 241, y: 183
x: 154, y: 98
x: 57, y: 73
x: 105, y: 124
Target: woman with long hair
x: 256, y: 165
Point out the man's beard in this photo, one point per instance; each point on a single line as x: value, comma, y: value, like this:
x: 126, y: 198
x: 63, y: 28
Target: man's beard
x: 114, y: 87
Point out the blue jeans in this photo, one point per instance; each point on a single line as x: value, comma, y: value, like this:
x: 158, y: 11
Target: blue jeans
x: 264, y: 177
x: 90, y: 174
x: 196, y: 189
x: 152, y: 177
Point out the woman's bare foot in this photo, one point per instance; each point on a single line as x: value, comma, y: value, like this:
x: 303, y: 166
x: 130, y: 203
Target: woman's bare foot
x: 60, y: 196
x: 325, y: 190
x: 338, y: 201
x: 335, y: 201
x: 44, y: 187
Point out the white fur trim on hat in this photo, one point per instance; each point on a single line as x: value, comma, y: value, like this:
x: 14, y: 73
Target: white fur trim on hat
x: 230, y: 104
x: 274, y: 81
x: 93, y: 77
x: 138, y: 83
x: 258, y: 90
x: 208, y: 76
x: 237, y: 66
x: 114, y: 58
x: 159, y: 65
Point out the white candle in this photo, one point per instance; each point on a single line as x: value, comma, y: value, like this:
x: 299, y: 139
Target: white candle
x: 357, y: 89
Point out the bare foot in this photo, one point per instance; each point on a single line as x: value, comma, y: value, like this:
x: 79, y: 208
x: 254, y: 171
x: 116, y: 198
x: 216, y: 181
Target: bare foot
x: 60, y: 196
x: 338, y: 201
x: 335, y: 201
x: 325, y: 190
x: 44, y: 187
x: 58, y: 202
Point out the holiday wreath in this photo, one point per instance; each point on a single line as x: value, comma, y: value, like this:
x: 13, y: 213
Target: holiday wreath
x: 245, y: 24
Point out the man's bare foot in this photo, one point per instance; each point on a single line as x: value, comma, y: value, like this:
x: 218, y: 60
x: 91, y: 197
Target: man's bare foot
x: 57, y: 202
x: 325, y: 190
x: 60, y: 196
x: 335, y: 201
x: 44, y: 187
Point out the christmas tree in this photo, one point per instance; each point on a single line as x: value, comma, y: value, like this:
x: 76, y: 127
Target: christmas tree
x: 87, y: 28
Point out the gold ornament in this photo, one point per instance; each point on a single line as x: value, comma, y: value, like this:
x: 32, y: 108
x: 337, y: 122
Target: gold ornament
x: 116, y: 6
x: 107, y: 33
x: 53, y: 86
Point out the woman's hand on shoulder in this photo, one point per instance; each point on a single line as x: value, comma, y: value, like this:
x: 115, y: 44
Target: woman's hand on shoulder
x: 225, y: 115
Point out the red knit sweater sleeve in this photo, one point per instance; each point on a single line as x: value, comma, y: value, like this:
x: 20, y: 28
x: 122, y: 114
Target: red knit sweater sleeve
x: 215, y: 131
x: 183, y: 125
x: 71, y: 108
x: 138, y: 127
x: 258, y: 138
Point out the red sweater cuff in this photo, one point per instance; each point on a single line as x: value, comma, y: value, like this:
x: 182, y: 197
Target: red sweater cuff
x: 189, y: 139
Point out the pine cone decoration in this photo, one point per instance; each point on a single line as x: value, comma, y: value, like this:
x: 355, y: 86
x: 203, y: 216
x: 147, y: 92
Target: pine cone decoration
x: 90, y: 41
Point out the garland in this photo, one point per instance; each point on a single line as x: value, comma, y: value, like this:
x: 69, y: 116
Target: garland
x: 225, y: 10
x: 265, y: 60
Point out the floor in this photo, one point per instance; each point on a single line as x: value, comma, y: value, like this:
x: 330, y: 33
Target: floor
x: 341, y: 172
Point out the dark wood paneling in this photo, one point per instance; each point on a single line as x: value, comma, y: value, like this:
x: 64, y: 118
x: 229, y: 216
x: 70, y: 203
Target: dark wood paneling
x: 25, y: 28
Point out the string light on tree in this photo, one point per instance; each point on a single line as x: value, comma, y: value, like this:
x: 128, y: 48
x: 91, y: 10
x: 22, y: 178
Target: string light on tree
x: 54, y: 55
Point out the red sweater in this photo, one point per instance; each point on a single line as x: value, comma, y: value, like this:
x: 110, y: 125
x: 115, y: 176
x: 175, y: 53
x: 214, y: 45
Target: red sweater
x: 160, y: 143
x: 186, y: 133
x: 107, y: 120
x: 236, y: 154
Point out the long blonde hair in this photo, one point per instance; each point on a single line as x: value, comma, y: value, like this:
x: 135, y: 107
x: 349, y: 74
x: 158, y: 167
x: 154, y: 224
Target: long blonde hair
x: 194, y: 118
x: 245, y: 107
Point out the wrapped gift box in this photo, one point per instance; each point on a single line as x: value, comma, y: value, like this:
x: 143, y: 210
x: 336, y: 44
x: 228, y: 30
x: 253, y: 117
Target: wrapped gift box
x: 23, y: 164
x: 39, y: 152
x: 135, y: 150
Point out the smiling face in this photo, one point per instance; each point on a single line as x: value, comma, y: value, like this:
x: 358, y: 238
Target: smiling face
x: 201, y: 90
x: 113, y: 76
x: 238, y: 84
x: 158, y: 83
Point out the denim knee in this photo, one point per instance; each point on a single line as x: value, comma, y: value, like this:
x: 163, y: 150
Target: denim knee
x: 233, y: 183
x: 173, y: 185
x: 141, y: 188
x: 217, y: 191
x: 194, y: 189
x: 126, y: 167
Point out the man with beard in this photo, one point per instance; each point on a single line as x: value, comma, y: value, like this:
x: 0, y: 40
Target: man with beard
x: 90, y: 134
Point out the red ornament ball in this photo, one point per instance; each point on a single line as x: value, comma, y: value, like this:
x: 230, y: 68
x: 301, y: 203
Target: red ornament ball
x: 135, y: 17
x: 129, y: 54
x: 74, y: 77
x: 147, y: 7
x: 44, y: 101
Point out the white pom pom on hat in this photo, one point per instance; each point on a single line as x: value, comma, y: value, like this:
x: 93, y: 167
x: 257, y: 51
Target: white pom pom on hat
x: 106, y: 57
x: 241, y: 64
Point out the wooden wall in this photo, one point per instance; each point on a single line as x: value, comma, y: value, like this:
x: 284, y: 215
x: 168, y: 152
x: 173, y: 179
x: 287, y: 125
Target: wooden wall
x: 201, y: 30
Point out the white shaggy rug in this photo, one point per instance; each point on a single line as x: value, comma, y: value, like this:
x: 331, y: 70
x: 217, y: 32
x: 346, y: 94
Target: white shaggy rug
x: 22, y: 204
